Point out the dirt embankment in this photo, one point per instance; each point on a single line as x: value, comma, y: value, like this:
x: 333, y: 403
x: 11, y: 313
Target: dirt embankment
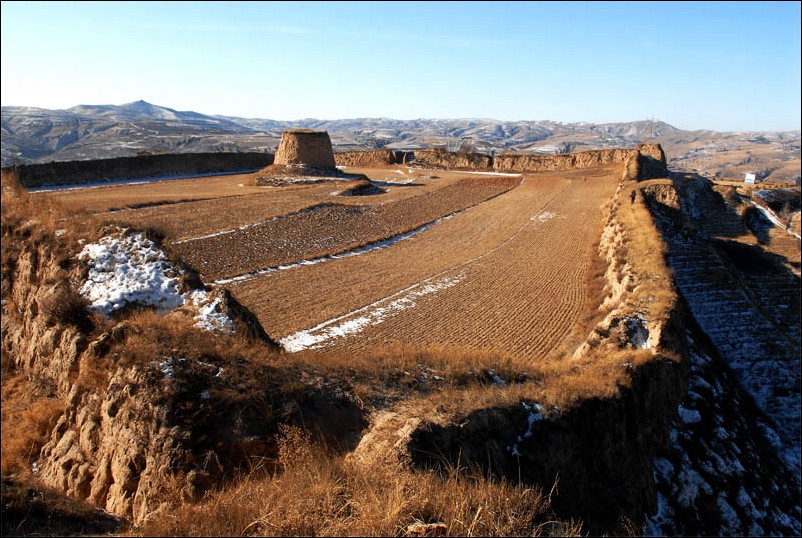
x: 143, y: 166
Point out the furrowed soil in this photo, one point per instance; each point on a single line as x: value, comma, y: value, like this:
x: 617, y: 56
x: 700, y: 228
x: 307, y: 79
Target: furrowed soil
x: 507, y: 275
x: 329, y: 229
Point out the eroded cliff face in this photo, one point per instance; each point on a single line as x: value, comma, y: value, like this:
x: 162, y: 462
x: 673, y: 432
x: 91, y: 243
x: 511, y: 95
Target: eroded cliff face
x: 153, y: 412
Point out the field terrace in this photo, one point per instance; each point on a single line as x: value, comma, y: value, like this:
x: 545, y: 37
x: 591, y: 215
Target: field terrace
x: 494, y: 262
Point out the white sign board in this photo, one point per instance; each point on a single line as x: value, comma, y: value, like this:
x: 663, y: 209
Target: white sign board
x: 749, y: 178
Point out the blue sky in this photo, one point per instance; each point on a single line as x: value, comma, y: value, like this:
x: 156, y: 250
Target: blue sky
x: 696, y: 65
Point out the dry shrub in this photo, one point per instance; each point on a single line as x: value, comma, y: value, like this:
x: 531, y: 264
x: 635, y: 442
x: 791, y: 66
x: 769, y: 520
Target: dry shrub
x: 65, y: 306
x: 28, y: 416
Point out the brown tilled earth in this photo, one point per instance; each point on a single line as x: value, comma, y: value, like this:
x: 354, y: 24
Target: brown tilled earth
x: 329, y: 229
x: 504, y: 272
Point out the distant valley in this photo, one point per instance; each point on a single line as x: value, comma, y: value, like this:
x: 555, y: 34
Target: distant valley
x: 85, y: 132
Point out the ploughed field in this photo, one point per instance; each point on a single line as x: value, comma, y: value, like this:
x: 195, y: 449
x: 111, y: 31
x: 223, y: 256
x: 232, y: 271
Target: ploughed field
x: 488, y: 262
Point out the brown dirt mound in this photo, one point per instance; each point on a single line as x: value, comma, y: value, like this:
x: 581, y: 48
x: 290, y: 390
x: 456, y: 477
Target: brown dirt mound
x: 364, y: 188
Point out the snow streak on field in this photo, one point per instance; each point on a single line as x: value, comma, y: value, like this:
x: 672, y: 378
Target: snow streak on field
x: 371, y: 315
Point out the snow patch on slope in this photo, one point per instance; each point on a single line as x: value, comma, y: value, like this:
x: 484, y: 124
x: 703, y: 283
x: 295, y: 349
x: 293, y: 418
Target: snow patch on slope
x: 127, y: 269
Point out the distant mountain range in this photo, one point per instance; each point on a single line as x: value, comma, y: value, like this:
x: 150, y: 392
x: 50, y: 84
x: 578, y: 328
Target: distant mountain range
x: 34, y: 135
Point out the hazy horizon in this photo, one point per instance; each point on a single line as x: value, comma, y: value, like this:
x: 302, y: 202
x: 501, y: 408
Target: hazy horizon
x: 733, y: 67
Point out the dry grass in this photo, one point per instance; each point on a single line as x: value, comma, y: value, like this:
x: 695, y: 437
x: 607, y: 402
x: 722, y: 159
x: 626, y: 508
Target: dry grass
x: 322, y: 495
x: 28, y: 416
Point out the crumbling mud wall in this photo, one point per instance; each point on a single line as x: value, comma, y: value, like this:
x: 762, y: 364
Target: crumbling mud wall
x: 144, y: 166
x: 651, y: 160
x: 438, y: 158
x: 305, y: 147
x: 368, y: 158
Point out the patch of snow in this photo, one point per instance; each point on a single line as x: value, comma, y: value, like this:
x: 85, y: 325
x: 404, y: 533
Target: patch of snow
x: 730, y: 522
x: 500, y: 174
x: 126, y: 269
x: 542, y: 216
x: 535, y: 415
x: 209, y: 316
x: 775, y: 220
x: 689, y: 416
x: 690, y: 484
x: 129, y: 269
x: 637, y: 333
x: 496, y: 379
x: 663, y: 517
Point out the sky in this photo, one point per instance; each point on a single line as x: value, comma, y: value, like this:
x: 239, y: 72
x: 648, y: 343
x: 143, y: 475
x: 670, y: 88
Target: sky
x: 723, y: 66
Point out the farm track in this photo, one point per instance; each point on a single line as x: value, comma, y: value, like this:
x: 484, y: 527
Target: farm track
x: 329, y: 229
x: 507, y: 275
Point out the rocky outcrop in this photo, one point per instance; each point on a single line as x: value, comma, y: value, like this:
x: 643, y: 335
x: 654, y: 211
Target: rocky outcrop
x: 144, y: 166
x: 306, y: 148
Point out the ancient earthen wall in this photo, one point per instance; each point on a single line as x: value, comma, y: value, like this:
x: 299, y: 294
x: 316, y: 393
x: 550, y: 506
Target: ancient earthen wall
x: 518, y: 162
x: 145, y: 166
x: 439, y: 158
x: 366, y: 158
x: 304, y: 147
